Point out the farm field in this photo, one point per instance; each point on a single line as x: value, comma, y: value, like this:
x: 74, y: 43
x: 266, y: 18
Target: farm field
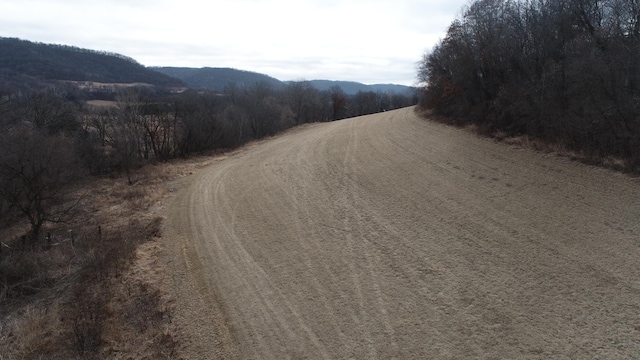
x: 390, y: 236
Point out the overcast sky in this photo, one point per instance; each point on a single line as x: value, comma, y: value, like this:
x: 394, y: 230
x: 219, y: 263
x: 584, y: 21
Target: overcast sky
x: 369, y: 41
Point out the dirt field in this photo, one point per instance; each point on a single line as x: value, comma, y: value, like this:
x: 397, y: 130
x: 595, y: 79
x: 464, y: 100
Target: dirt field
x: 388, y: 236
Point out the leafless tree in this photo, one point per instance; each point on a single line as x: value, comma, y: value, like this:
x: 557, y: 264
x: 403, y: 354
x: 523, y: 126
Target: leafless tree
x: 563, y: 70
x: 35, y: 173
x: 338, y: 102
x: 304, y: 102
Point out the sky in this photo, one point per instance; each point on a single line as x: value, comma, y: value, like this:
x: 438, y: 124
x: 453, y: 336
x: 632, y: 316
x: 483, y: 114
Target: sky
x: 368, y: 41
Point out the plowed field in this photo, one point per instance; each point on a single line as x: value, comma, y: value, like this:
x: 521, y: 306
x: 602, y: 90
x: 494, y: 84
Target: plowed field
x: 389, y: 236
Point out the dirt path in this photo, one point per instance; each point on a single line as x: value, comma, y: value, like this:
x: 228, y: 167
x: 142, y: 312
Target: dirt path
x: 387, y: 236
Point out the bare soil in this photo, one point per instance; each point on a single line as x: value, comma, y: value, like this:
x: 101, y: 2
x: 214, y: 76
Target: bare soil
x: 102, y: 103
x: 389, y: 236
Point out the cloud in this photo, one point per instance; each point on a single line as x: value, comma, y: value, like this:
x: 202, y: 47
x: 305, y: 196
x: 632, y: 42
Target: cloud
x: 366, y: 41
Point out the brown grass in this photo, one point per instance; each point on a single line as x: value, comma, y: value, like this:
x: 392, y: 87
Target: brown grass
x: 96, y: 290
x: 561, y: 150
x: 33, y: 330
x: 544, y: 146
x: 423, y: 112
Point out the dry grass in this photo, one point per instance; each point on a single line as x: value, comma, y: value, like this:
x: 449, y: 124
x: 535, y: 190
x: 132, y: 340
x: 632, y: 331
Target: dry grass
x: 547, y: 147
x: 141, y: 325
x: 561, y: 150
x: 33, y: 330
x: 423, y: 112
x: 96, y: 290
x: 533, y: 143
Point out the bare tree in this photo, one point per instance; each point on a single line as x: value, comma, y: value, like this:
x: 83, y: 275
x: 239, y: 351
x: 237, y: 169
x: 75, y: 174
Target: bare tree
x: 563, y: 70
x: 35, y: 173
x: 126, y: 133
x: 338, y: 102
x: 48, y: 111
x: 304, y: 101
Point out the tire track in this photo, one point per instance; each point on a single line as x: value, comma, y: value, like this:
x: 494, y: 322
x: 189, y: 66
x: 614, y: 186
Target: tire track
x: 387, y: 236
x: 349, y: 205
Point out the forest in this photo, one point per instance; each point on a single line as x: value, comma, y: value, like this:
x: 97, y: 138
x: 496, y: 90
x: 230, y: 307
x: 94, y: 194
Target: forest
x: 564, y: 71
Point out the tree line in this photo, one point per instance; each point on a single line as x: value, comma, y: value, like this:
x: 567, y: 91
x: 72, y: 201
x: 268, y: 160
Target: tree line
x: 49, y: 138
x: 567, y: 71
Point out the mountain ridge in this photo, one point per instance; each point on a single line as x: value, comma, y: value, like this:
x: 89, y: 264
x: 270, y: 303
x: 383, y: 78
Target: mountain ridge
x: 24, y: 60
x: 217, y: 78
x: 353, y: 87
x: 69, y: 63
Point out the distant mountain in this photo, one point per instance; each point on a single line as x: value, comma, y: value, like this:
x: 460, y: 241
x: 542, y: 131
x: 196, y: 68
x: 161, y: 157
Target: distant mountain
x: 217, y: 78
x: 22, y: 60
x: 351, y: 88
x: 60, y: 62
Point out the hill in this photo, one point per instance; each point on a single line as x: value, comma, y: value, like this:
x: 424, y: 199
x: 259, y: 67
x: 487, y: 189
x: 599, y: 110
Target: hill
x: 217, y: 78
x: 351, y: 87
x: 24, y: 61
x: 61, y: 62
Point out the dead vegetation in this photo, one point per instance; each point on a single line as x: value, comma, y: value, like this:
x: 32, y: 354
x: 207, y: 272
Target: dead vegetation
x: 559, y: 149
x: 93, y: 287
x: 541, y: 145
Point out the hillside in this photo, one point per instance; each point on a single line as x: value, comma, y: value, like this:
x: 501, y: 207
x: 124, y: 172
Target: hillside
x: 217, y: 78
x: 61, y: 62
